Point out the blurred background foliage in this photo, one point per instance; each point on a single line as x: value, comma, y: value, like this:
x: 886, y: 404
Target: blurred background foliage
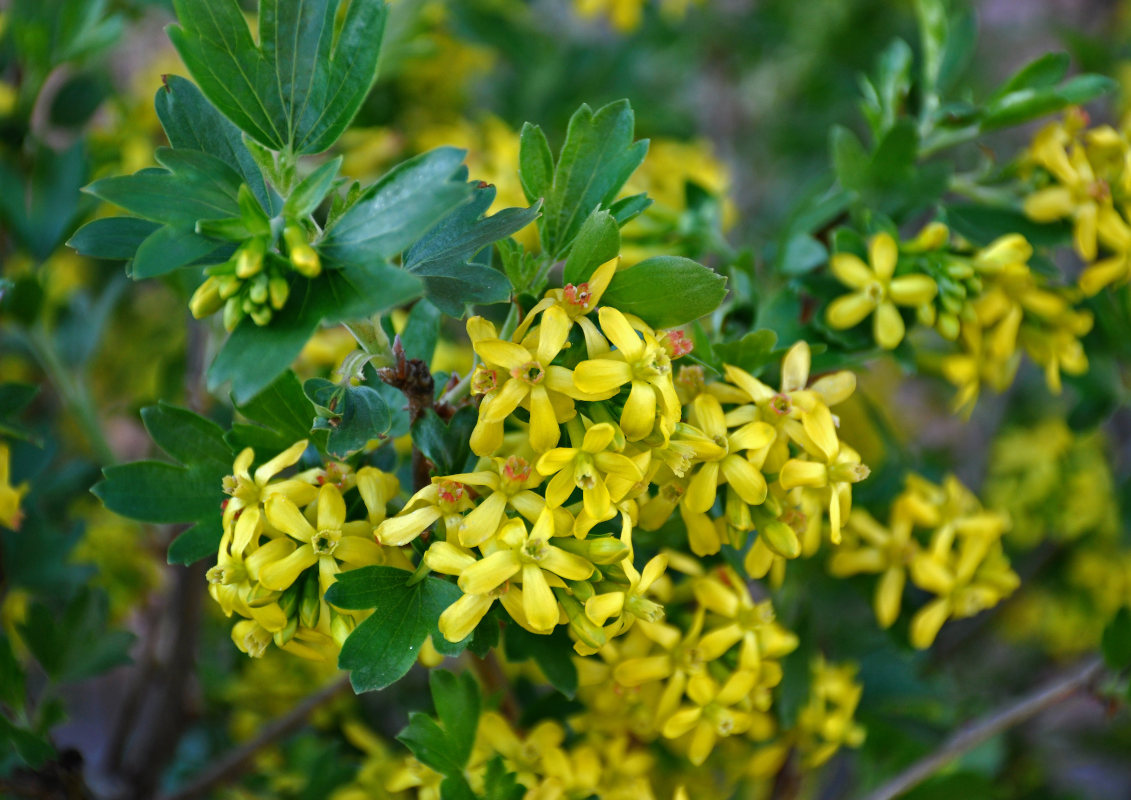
x: 132, y: 686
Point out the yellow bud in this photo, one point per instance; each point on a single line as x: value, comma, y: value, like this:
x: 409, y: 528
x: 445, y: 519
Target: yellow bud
x: 233, y: 313
x: 206, y: 299
x: 249, y: 259
x: 304, y: 258
x: 278, y: 290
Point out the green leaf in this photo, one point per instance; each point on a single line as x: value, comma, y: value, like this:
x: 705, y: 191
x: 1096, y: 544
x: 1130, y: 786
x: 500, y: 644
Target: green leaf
x: 446, y: 445
x: 802, y: 254
x: 597, y: 159
x: 446, y: 744
x: 629, y: 208
x: 355, y: 415
x: 192, y: 123
x: 75, y: 644
x: 253, y: 356
x: 383, y: 647
x: 188, y: 491
x: 1116, y: 641
x: 312, y: 190
x: 31, y: 748
x: 752, y: 352
x: 596, y: 242
x: 200, y: 541
x: 112, y: 238
x: 195, y: 186
x: 535, y: 162
x: 499, y: 784
x: 983, y: 224
x: 169, y: 248
x: 300, y: 87
x: 666, y: 291
x: 1023, y: 105
x: 399, y: 209
x: 187, y: 436
x: 1041, y: 73
x: 443, y: 256
x: 421, y: 331
x: 282, y: 408
x: 553, y: 653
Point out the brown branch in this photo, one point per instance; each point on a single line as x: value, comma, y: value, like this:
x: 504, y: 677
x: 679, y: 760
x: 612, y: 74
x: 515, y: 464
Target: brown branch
x: 414, y: 380
x: 974, y: 733
x: 237, y: 762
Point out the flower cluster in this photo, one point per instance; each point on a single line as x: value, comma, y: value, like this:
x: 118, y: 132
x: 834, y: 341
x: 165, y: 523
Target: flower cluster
x: 284, y: 542
x: 534, y: 527
x: 10, y: 496
x: 989, y: 302
x: 1081, y: 174
x: 940, y: 537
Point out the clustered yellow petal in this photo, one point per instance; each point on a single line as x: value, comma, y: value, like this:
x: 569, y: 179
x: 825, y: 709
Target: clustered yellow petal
x: 10, y: 496
x: 940, y: 538
x: 285, y: 539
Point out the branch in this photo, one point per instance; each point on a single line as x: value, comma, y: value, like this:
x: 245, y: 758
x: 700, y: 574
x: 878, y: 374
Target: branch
x: 231, y: 767
x: 974, y: 733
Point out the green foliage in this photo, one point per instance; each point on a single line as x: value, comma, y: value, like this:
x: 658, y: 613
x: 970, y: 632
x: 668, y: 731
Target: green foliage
x: 444, y: 743
x: 1116, y: 642
x: 666, y: 291
x: 187, y: 491
x: 596, y: 160
x: 446, y: 444
x: 352, y: 414
x: 553, y: 654
x: 299, y: 87
x: 383, y: 647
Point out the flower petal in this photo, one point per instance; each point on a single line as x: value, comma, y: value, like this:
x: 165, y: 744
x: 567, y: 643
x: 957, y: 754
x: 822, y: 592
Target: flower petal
x: 620, y: 333
x: 850, y: 270
x: 285, y: 516
x: 538, y: 601
x: 883, y: 253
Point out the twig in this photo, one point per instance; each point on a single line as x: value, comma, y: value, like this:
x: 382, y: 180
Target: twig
x: 973, y: 734
x: 231, y: 767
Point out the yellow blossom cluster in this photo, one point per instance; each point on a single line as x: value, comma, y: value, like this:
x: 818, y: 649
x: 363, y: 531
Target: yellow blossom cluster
x: 988, y: 302
x: 626, y: 15
x: 941, y: 538
x: 285, y: 540
x: 528, y: 528
x: 1083, y: 175
x: 1054, y: 484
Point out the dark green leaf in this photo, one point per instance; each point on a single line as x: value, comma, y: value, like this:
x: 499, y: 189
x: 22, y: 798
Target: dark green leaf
x: 499, y: 784
x: 12, y: 676
x: 399, y: 209
x: 357, y: 414
x: 443, y: 256
x: 200, y: 541
x: 457, y: 699
x: 1041, y: 73
x: 596, y: 242
x: 983, y: 224
x: 312, y: 190
x: 112, y: 238
x: 752, y: 352
x: 421, y: 331
x: 31, y: 748
x: 186, y: 436
x: 1027, y: 104
x: 597, y: 159
x: 169, y: 248
x: 629, y: 208
x: 666, y: 291
x: 446, y: 445
x: 300, y: 87
x: 535, y: 162
x: 801, y: 254
x: 1116, y: 641
x: 192, y: 123
x: 282, y: 408
x: 428, y: 742
x: 383, y: 648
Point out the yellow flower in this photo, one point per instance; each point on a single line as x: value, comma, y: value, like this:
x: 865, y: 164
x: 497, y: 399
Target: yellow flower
x: 726, y: 464
x: 644, y: 364
x: 713, y: 713
x: 753, y: 624
x: 442, y: 499
x: 332, y: 541
x: 460, y: 618
x: 509, y: 486
x: 376, y: 488
x: 877, y: 291
x: 629, y: 603
x: 836, y: 466
x: 545, y: 389
x: 825, y: 723
x: 250, y: 492
x: 586, y: 468
x: 872, y: 548
x: 10, y: 496
x: 528, y: 554
x: 577, y: 302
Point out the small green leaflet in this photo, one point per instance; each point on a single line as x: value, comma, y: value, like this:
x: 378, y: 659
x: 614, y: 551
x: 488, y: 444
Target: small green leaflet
x: 351, y: 414
x: 298, y: 89
x: 382, y: 648
x: 597, y: 159
x: 186, y: 491
x: 666, y: 291
x: 444, y: 743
